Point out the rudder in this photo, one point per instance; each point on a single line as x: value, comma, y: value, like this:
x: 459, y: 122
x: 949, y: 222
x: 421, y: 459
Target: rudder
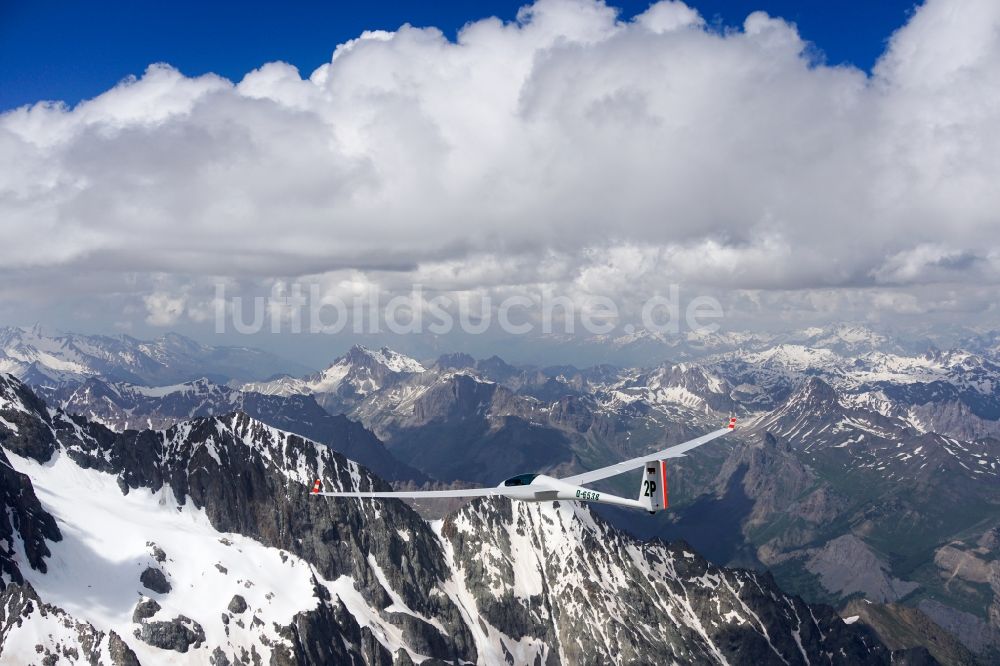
x: 653, y: 486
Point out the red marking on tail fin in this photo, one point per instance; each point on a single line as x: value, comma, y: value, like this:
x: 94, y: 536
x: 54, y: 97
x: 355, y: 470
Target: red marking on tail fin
x: 316, y: 486
x: 663, y: 480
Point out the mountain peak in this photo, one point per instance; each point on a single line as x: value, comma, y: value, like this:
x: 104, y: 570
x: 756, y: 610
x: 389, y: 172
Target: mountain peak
x: 360, y: 371
x: 176, y: 338
x: 814, y: 401
x: 815, y: 392
x: 385, y: 356
x: 455, y: 361
x: 15, y: 396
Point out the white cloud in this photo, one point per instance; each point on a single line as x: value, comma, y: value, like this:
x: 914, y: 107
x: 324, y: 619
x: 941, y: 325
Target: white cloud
x: 567, y: 149
x: 162, y: 309
x: 668, y: 16
x: 933, y: 263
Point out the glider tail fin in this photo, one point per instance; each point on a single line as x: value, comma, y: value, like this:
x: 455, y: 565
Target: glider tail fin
x: 653, y: 489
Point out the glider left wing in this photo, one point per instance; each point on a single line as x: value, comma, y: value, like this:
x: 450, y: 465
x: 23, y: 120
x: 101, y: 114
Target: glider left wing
x: 416, y: 494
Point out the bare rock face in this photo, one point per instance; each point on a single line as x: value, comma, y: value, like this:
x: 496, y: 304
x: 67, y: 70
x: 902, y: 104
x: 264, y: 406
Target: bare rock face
x: 847, y: 565
x: 462, y: 396
x: 955, y: 419
x: 22, y: 516
x: 28, y: 426
x: 965, y: 564
x: 121, y: 653
x: 975, y: 633
x: 178, y: 634
x: 774, y: 477
x: 145, y: 609
x: 532, y: 571
x: 153, y: 579
x: 32, y: 631
x: 219, y: 658
x: 905, y: 629
x: 990, y: 541
x: 321, y: 636
x: 237, y: 605
x: 572, y: 412
x: 156, y: 552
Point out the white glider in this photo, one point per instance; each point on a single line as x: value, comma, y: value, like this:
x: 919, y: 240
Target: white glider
x: 541, y: 488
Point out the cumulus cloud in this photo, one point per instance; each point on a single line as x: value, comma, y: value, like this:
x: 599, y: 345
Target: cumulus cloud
x: 569, y: 148
x: 163, y: 309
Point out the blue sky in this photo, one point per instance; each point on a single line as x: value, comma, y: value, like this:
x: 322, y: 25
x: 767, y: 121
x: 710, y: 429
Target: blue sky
x: 71, y: 50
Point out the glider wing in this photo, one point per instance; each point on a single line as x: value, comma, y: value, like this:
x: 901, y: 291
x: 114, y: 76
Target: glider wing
x: 675, y: 451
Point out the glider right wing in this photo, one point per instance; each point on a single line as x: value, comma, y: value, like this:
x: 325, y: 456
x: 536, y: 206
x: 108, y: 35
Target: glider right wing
x: 675, y: 451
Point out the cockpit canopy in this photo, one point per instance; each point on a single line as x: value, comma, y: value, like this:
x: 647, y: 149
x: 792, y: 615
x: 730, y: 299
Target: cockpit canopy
x: 520, y: 480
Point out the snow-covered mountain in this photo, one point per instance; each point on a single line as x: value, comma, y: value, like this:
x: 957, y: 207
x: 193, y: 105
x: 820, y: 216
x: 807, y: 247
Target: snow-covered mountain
x: 687, y: 385
x: 815, y: 417
x: 121, y: 406
x: 643, y: 347
x: 852, y: 448
x: 43, y: 358
x: 933, y: 388
x: 350, y: 378
x: 827, y: 435
x: 200, y: 544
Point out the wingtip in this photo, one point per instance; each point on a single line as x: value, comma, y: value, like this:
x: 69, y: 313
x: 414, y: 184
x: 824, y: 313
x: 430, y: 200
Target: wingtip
x: 732, y: 423
x: 316, y: 487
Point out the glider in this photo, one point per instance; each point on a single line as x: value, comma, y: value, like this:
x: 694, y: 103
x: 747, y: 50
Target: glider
x: 542, y: 488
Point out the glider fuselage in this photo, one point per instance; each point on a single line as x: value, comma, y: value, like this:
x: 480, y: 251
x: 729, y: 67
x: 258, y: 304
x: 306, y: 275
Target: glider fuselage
x: 542, y: 488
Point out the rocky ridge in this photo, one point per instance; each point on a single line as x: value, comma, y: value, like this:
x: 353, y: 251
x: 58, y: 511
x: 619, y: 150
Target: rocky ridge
x: 365, y: 582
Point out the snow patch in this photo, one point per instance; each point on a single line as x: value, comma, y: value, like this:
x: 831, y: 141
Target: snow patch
x: 94, y: 571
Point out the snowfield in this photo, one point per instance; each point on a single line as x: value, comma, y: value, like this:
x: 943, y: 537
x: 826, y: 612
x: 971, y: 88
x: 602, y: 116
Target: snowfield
x: 94, y: 571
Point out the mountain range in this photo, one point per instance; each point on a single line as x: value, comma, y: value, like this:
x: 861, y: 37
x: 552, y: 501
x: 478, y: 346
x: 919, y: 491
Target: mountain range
x: 865, y: 467
x: 199, y: 543
x: 43, y: 357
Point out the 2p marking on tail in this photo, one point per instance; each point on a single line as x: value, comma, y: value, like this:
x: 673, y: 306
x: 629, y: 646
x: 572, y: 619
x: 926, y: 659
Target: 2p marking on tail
x: 653, y: 487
